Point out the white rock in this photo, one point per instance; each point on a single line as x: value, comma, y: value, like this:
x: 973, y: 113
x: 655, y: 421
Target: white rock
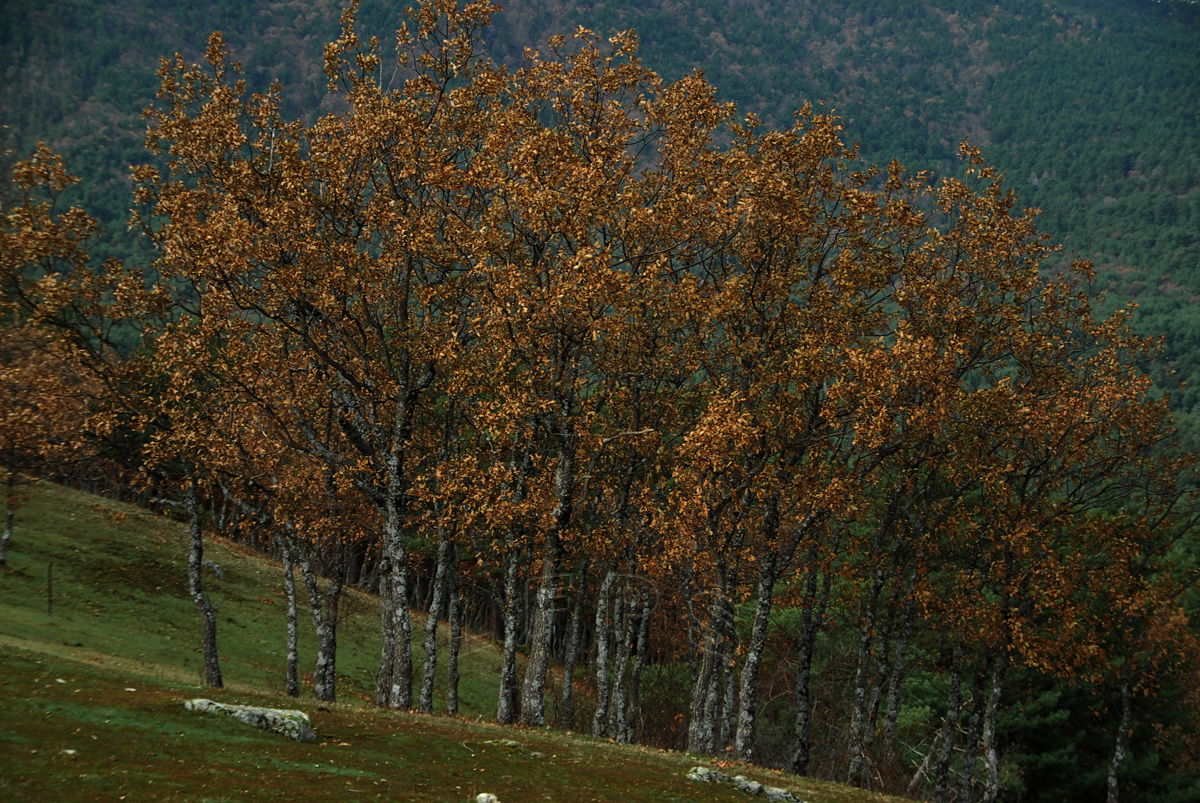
x: 291, y: 723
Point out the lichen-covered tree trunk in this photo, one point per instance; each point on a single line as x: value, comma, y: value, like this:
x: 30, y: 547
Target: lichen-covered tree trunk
x: 748, y: 692
x: 727, y: 724
x: 457, y: 604
x: 639, y: 661
x: 289, y: 588
x: 896, y: 679
x: 991, y: 755
x: 855, y: 773
x: 618, y: 723
x: 566, y: 710
x: 325, y: 623
x: 600, y: 718
x: 436, y: 603
x: 941, y: 778
x: 208, y: 614
x: 970, y: 751
x: 1121, y: 746
x: 394, y: 683
x: 10, y: 504
x: 811, y: 620
x: 506, y: 705
x: 533, y: 690
x: 705, y: 705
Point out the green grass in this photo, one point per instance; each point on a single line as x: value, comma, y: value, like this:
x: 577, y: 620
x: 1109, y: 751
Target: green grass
x: 104, y: 674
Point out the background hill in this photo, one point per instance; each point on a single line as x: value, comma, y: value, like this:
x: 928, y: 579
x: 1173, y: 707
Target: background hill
x: 1088, y: 106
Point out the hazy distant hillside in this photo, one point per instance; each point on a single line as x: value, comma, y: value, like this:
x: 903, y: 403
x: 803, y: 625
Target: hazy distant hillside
x: 1089, y: 106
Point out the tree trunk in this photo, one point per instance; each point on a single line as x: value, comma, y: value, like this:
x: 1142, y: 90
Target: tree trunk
x: 457, y: 603
x: 212, y: 661
x: 533, y: 691
x: 728, y: 721
x: 4, y: 539
x: 748, y: 693
x: 941, y: 783
x: 811, y: 621
x: 991, y: 756
x: 856, y: 772
x: 896, y: 680
x: 325, y: 622
x: 639, y: 663
x: 10, y: 504
x: 289, y: 587
x: 966, y: 776
x: 566, y: 710
x: 506, y: 707
x: 704, y: 708
x: 1121, y: 747
x: 437, y: 602
x: 394, y: 684
x: 618, y: 724
x: 600, y: 718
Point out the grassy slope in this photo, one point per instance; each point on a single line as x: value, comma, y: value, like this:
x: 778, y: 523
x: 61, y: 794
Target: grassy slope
x: 103, y: 674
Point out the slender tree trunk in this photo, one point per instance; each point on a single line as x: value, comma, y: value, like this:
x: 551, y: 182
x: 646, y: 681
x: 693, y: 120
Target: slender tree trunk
x: 506, y: 707
x: 728, y: 721
x: 811, y: 621
x: 7, y: 536
x: 10, y: 504
x: 394, y: 686
x: 457, y: 603
x: 437, y: 602
x: 325, y: 623
x: 859, y: 724
x: 639, y: 663
x: 704, y: 708
x: 289, y: 587
x: 941, y: 781
x: 896, y: 680
x: 991, y: 756
x: 600, y: 718
x: 618, y: 724
x: 566, y: 709
x: 748, y: 694
x: 1122, y: 745
x: 212, y: 661
x: 966, y: 775
x: 533, y: 690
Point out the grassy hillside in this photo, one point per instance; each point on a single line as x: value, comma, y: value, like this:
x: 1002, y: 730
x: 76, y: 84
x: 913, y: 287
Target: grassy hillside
x: 93, y: 679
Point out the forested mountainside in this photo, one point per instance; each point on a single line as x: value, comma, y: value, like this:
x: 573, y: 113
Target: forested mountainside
x: 1088, y: 106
